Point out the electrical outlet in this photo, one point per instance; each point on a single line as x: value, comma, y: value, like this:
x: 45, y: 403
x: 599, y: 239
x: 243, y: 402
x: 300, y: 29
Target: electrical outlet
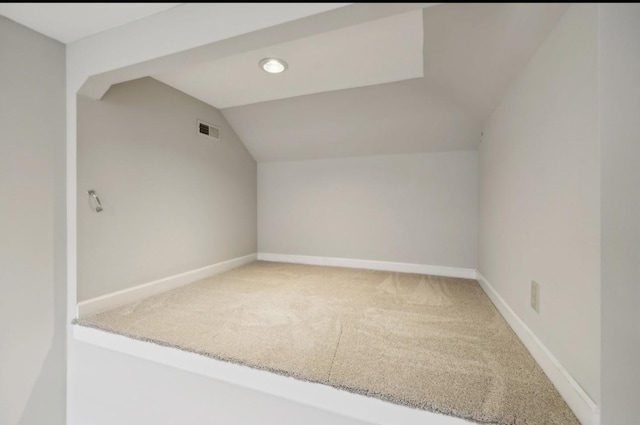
x: 535, y: 296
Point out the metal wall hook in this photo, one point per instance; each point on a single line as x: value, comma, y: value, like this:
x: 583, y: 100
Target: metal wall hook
x: 98, y: 205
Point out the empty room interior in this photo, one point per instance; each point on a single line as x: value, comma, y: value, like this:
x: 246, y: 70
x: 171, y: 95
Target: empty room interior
x: 314, y: 213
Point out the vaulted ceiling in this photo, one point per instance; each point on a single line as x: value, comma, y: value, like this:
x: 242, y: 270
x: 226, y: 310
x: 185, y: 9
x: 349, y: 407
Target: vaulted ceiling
x: 402, y: 117
x: 417, y: 81
x: 374, y: 52
x: 471, y: 54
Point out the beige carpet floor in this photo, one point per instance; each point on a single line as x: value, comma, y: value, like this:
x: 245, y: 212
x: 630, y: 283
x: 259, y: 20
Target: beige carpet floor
x: 429, y: 342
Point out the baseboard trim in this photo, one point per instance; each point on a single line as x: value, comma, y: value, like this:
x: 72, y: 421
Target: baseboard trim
x: 587, y: 412
x: 585, y: 409
x: 109, y: 301
x: 370, y: 264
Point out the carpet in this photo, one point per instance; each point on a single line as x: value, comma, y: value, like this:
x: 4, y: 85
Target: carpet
x: 428, y: 342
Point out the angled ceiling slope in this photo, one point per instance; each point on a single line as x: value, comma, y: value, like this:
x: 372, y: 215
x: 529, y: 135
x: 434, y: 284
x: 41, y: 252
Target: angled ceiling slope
x: 472, y: 54
x: 474, y: 51
x: 468, y: 57
x: 396, y: 118
x: 374, y: 52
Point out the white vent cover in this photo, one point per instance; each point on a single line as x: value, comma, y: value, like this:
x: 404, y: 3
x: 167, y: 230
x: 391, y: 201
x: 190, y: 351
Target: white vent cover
x: 208, y: 130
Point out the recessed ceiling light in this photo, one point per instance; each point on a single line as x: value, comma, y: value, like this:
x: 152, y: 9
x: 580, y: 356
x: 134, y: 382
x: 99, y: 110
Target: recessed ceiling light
x: 273, y: 65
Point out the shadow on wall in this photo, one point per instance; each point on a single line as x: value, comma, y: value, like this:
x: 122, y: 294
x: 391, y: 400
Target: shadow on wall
x: 47, y: 402
x: 33, y: 203
x: 48, y: 393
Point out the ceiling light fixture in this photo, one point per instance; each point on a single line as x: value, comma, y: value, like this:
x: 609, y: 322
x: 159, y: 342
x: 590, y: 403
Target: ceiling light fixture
x: 273, y: 65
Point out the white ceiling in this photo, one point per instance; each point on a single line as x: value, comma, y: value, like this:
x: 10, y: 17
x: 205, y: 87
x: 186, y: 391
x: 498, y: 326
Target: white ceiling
x: 68, y: 22
x: 465, y: 56
x: 472, y: 53
x: 402, y: 117
x: 380, y: 51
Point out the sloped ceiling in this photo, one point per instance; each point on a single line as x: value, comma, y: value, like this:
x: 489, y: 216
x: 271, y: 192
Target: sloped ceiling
x: 374, y: 52
x: 472, y: 52
x: 404, y: 117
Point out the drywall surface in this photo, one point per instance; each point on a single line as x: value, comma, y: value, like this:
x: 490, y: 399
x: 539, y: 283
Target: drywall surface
x: 173, y: 200
x: 619, y: 71
x: 178, y: 29
x: 124, y: 375
x: 356, y: 122
x: 113, y: 388
x: 32, y: 231
x: 472, y: 52
x: 540, y: 196
x: 419, y: 208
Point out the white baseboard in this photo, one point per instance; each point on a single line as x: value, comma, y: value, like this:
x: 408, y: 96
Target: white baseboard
x: 370, y: 264
x: 109, y: 301
x: 587, y: 412
x: 585, y: 409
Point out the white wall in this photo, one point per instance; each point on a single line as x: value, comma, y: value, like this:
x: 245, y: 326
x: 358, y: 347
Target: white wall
x: 540, y: 196
x: 419, y: 208
x: 173, y: 200
x: 32, y: 231
x: 113, y: 49
x: 619, y: 70
x: 196, y: 24
x: 114, y: 388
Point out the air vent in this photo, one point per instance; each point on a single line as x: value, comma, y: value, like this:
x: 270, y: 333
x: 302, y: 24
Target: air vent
x: 208, y: 130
